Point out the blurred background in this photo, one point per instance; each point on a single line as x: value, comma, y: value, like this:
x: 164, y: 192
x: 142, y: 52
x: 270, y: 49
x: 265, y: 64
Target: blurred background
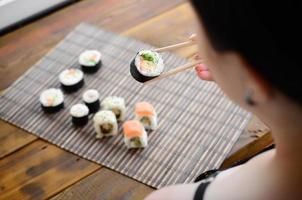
x: 14, y: 13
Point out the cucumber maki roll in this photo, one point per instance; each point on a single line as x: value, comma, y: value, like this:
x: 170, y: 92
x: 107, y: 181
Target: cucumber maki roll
x: 146, y: 65
x: 52, y: 100
x: 90, y: 60
x: 79, y: 114
x: 71, y: 80
x: 92, y: 100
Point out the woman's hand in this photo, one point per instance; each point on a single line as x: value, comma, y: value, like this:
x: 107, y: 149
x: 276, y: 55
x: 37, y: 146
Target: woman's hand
x: 203, y: 72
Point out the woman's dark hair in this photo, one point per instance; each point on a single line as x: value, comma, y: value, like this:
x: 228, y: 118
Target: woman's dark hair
x: 267, y: 34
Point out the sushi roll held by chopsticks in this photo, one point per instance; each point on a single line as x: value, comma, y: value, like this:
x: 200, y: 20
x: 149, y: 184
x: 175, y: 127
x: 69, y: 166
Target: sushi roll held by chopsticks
x: 146, y: 65
x: 145, y: 113
x: 116, y: 105
x: 135, y: 135
x: 105, y: 123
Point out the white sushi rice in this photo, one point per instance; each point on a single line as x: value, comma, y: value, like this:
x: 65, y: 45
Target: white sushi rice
x: 143, y: 141
x: 115, y: 103
x: 157, y: 70
x: 91, y: 96
x: 105, y: 117
x: 79, y: 110
x: 86, y: 58
x: 51, y: 97
x: 71, y: 76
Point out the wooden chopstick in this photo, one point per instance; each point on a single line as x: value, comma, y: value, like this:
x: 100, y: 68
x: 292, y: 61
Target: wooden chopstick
x: 174, y: 71
x: 175, y: 46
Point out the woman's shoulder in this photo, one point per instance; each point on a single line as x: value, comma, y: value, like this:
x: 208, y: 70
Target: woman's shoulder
x: 256, y: 179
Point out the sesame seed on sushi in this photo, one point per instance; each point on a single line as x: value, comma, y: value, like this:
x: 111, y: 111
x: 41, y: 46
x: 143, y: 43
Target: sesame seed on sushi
x: 71, y: 80
x: 146, y: 65
x: 90, y: 61
x: 105, y: 124
x: 79, y: 114
x: 52, y: 100
x: 135, y: 135
x: 116, y: 105
x: 145, y: 113
x: 92, y: 100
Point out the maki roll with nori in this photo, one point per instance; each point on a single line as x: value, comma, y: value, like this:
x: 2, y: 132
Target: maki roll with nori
x: 71, y: 80
x: 135, y: 135
x: 90, y: 60
x: 105, y: 123
x: 52, y: 100
x: 92, y: 100
x: 116, y: 105
x: 146, y: 65
x: 79, y: 114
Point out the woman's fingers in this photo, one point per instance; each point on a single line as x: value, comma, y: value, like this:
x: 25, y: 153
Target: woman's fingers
x: 203, y: 72
x: 193, y: 37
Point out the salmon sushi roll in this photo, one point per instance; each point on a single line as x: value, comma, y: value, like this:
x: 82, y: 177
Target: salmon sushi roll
x: 135, y: 135
x: 145, y: 113
x: 105, y: 123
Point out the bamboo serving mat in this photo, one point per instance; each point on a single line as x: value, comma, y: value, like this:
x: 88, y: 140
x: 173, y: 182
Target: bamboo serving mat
x: 198, y: 125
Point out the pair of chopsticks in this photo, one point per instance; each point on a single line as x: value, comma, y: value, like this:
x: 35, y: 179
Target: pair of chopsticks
x: 178, y: 69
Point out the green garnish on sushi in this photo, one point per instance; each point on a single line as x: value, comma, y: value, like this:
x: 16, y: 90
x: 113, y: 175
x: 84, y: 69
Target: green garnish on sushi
x: 150, y: 56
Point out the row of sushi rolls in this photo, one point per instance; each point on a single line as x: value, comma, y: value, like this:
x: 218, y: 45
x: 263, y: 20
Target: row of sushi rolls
x: 146, y: 65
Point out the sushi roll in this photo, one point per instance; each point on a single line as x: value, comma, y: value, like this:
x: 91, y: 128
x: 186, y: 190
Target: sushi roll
x: 52, y: 100
x: 146, y: 65
x: 92, y: 100
x: 105, y: 123
x: 90, y: 61
x: 71, y: 79
x: 116, y: 105
x: 79, y: 114
x: 145, y: 113
x: 135, y: 135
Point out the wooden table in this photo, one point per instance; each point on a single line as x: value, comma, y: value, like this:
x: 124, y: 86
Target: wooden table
x: 31, y: 168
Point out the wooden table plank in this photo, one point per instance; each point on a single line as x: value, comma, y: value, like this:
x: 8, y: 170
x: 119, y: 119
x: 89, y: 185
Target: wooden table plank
x: 12, y: 138
x: 40, y: 170
x: 256, y: 130
x: 105, y: 184
x: 22, y: 48
x: 249, y: 150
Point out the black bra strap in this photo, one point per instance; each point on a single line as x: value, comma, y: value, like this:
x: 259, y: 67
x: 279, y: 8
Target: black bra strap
x: 199, y: 194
